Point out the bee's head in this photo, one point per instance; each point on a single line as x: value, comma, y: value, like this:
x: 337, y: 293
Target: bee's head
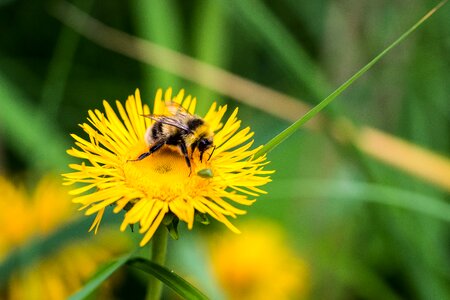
x: 203, y: 145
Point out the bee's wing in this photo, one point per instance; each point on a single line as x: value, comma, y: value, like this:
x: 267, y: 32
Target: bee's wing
x: 168, y: 121
x: 176, y: 109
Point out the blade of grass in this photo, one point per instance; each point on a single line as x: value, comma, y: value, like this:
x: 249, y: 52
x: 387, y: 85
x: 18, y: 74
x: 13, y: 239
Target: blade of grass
x: 100, y: 276
x: 325, y: 102
x: 149, y: 17
x: 428, y: 279
x: 211, y: 45
x: 27, y: 129
x: 60, y: 66
x: 367, y: 283
x: 168, y: 277
x: 425, y: 274
x: 266, y: 24
x: 367, y: 192
x: 172, y: 280
x: 312, y: 16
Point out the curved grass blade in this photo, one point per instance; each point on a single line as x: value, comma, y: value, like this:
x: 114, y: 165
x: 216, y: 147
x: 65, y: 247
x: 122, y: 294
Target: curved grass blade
x: 172, y: 280
x: 325, y: 102
x: 101, y: 275
x: 368, y: 192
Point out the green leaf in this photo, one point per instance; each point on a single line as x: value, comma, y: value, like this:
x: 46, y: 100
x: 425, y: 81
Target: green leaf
x: 172, y: 280
x: 201, y: 218
x: 325, y: 102
x: 173, y: 228
x: 101, y: 275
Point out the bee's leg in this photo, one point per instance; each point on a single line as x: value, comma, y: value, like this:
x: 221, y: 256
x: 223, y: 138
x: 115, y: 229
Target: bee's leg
x: 142, y: 156
x: 152, y: 149
x: 156, y: 146
x: 193, y: 146
x: 186, y: 155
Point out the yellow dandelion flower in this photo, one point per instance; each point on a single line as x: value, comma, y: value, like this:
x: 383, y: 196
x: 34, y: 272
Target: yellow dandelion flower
x: 163, y: 183
x: 258, y: 264
x: 22, y: 215
x: 25, y: 216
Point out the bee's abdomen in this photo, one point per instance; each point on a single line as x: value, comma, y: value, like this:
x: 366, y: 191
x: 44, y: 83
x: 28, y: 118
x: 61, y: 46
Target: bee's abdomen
x: 156, y: 130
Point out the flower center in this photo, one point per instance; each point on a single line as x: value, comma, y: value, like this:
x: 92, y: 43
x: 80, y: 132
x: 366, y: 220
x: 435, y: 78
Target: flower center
x: 164, y: 174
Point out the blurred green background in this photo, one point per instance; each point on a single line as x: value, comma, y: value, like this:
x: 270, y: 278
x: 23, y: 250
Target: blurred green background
x: 336, y: 205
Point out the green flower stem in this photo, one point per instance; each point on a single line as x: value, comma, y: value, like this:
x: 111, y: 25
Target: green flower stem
x: 159, y: 249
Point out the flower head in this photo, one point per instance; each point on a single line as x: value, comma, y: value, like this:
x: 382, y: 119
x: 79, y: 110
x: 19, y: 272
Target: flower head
x: 171, y: 179
x: 24, y: 217
x: 259, y: 264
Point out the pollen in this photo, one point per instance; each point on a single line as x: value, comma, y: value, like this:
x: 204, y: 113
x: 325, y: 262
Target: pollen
x: 162, y: 175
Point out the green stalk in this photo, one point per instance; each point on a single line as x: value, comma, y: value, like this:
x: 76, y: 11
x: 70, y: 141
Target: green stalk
x: 324, y: 103
x: 60, y: 67
x: 158, y: 256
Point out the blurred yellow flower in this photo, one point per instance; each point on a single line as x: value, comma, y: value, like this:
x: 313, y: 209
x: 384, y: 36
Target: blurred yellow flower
x: 24, y: 217
x: 162, y: 183
x: 258, y: 264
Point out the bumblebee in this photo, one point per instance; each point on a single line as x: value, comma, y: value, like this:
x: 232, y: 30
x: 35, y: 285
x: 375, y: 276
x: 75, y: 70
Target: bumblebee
x: 180, y: 129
